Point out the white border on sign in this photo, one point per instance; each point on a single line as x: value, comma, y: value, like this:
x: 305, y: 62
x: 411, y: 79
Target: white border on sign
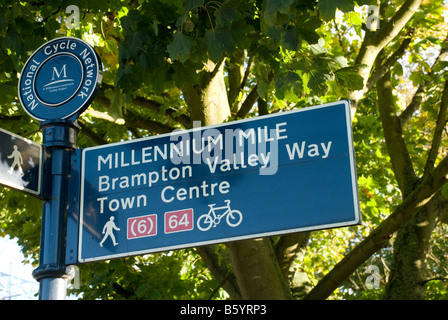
x: 357, y: 219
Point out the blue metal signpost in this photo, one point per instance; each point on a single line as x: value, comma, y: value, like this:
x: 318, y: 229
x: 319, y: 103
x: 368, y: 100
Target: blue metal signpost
x: 57, y: 83
x: 271, y: 175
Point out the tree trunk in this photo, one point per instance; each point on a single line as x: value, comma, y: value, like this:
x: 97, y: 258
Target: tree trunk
x: 257, y: 271
x: 208, y: 101
x: 408, y: 269
x: 253, y: 261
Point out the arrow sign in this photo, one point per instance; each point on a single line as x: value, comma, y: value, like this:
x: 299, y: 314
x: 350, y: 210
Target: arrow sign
x: 288, y: 172
x: 20, y: 163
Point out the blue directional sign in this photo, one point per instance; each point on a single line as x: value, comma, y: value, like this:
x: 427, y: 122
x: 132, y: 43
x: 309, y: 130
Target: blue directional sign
x: 289, y: 172
x: 20, y: 163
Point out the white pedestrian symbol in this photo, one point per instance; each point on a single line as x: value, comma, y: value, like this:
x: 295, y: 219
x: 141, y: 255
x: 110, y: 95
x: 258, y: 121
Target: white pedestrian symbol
x: 108, y: 231
x: 18, y: 161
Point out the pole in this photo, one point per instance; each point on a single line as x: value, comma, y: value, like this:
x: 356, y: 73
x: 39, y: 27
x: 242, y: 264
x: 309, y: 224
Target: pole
x: 59, y: 139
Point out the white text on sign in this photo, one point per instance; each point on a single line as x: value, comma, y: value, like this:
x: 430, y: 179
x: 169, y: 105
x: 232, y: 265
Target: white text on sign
x: 222, y: 152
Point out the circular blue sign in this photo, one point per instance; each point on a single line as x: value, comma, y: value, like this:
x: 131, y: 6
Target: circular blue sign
x: 60, y: 79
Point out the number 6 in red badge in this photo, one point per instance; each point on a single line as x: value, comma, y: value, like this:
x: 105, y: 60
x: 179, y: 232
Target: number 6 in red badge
x: 144, y: 226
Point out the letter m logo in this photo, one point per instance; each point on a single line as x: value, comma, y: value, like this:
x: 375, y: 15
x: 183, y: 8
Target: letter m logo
x: 58, y: 74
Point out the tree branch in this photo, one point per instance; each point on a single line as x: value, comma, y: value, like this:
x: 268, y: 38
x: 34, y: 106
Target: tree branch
x: 381, y: 70
x: 208, y: 101
x: 155, y: 127
x: 145, y: 103
x: 248, y: 103
x: 420, y: 93
x: 434, y: 279
x: 396, y: 23
x: 396, y: 147
x: 262, y: 107
x: 183, y: 119
x: 374, y: 42
x: 89, y: 133
x: 224, y: 276
x: 440, y: 125
x: 235, y: 71
x: 378, y: 238
x: 133, y: 120
x: 287, y: 249
x: 105, y: 116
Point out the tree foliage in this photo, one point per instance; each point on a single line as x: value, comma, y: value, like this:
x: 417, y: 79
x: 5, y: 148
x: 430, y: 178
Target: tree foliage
x: 168, y: 63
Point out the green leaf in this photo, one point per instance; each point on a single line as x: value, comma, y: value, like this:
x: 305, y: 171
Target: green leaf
x: 282, y: 6
x: 349, y: 78
x: 185, y: 72
x: 306, y: 28
x: 440, y: 65
x: 227, y: 14
x: 275, y: 14
x: 354, y: 18
x: 416, y: 78
x: 115, y: 109
x: 8, y: 91
x: 317, y: 82
x: 180, y: 48
x: 191, y: 4
x: 318, y: 48
x: 288, y: 85
x: 289, y: 40
x: 317, y: 75
x: 141, y: 289
x: 242, y: 34
x: 328, y: 7
x: 218, y: 43
x: 444, y: 190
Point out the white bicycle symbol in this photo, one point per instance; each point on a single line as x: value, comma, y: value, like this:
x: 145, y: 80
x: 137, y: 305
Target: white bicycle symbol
x: 211, y: 219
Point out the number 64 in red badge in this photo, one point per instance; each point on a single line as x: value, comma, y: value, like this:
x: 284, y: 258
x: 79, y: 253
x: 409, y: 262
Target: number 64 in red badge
x: 177, y: 221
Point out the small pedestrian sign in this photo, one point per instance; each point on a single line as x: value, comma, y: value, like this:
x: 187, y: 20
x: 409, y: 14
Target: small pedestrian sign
x: 20, y: 163
x: 108, y: 231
